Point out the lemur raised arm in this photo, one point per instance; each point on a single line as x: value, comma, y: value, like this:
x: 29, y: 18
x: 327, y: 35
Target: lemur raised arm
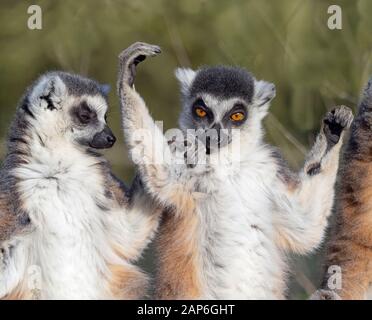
x: 228, y: 224
x: 69, y: 229
x: 302, y: 210
x: 350, y: 245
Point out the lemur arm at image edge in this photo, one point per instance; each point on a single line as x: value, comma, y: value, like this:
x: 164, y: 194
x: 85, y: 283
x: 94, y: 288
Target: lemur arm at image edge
x: 350, y: 244
x: 301, y: 212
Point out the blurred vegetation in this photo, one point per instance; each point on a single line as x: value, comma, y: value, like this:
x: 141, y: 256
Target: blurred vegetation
x: 286, y: 42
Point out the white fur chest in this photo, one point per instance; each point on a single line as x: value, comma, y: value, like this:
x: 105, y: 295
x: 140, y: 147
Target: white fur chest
x: 238, y: 252
x: 69, y: 237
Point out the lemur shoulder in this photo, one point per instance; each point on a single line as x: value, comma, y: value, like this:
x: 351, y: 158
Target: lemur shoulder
x: 63, y: 214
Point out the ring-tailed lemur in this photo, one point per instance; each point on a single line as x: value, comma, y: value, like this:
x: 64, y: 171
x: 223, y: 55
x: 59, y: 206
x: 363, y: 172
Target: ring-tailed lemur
x: 68, y: 228
x: 228, y: 227
x: 350, y: 246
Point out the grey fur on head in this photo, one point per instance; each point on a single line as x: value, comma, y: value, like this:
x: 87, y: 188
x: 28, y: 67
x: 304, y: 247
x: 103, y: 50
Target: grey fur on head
x: 225, y: 82
x: 77, y: 85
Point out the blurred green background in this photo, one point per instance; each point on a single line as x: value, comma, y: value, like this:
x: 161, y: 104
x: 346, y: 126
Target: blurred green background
x: 286, y: 42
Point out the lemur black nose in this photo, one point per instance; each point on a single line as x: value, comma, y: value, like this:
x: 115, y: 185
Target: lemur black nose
x: 103, y: 139
x: 111, y: 139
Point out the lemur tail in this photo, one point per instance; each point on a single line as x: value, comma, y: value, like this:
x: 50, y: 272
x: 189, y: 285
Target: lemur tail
x: 366, y: 102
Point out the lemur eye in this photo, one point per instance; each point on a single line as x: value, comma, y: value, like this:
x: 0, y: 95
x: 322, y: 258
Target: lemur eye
x: 200, y: 112
x: 199, y: 109
x: 84, y: 117
x: 85, y: 114
x: 237, y: 116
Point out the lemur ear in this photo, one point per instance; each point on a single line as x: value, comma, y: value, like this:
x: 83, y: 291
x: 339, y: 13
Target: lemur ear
x: 105, y: 88
x: 264, y: 92
x: 185, y: 76
x: 48, y: 92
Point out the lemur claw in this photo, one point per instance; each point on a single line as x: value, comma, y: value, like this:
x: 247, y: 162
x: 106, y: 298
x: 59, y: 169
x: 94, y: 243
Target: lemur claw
x: 335, y: 122
x: 132, y: 56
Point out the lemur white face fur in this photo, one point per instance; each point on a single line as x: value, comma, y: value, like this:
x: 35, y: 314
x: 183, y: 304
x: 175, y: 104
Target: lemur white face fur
x: 71, y: 108
x: 223, y: 98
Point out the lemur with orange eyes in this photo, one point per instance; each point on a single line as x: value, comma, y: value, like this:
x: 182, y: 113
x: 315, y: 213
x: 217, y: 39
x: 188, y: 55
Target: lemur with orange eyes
x: 228, y: 226
x: 68, y: 228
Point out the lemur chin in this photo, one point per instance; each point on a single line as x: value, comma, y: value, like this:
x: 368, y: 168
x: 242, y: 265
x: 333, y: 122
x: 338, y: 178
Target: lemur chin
x: 68, y: 228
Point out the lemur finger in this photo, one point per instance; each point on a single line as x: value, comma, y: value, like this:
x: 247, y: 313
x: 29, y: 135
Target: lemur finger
x: 131, y: 57
x: 344, y: 116
x: 138, y: 51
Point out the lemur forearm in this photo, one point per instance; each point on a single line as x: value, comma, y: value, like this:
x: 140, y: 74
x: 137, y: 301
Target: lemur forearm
x: 302, y: 211
x: 138, y: 227
x: 133, y: 219
x: 147, y: 144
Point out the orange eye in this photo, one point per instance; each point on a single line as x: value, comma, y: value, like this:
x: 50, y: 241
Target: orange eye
x: 200, y: 112
x: 238, y: 116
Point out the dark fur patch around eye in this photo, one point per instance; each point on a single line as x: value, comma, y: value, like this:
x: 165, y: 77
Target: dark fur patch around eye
x: 82, y: 114
x: 199, y: 103
x: 238, y: 108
